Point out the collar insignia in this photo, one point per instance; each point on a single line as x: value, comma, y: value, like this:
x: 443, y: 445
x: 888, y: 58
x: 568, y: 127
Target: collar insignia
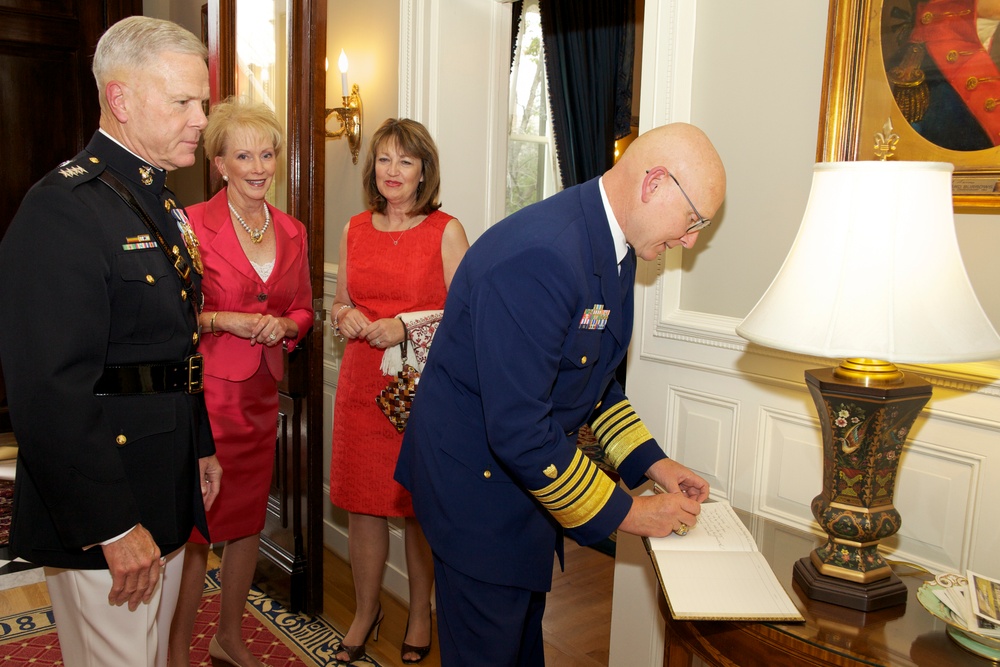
x: 146, y: 174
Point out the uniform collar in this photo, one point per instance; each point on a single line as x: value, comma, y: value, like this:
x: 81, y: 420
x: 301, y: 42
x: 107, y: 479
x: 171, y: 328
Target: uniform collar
x: 621, y: 246
x: 131, y: 167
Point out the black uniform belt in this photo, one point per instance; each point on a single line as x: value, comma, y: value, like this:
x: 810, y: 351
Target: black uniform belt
x: 183, y: 376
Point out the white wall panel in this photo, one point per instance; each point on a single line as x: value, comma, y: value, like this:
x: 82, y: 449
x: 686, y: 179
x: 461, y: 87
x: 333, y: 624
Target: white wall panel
x: 703, y: 426
x: 934, y: 495
x: 791, y: 466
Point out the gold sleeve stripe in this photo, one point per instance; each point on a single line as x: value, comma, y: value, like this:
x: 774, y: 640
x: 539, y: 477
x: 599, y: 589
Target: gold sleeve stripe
x: 620, y: 431
x: 576, y: 496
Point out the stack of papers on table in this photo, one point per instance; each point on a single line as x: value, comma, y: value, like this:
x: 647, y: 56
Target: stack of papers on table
x: 974, y: 601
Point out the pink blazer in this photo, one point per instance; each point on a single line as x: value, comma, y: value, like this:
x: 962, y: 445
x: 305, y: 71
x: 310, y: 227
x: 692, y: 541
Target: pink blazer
x: 230, y: 283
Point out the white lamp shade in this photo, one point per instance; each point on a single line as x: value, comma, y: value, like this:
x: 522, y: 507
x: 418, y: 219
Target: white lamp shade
x: 875, y: 272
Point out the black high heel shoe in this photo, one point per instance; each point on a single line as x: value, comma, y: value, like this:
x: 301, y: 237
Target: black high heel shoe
x: 405, y: 648
x: 355, y: 653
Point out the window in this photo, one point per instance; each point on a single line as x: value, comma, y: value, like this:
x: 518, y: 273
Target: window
x: 532, y: 171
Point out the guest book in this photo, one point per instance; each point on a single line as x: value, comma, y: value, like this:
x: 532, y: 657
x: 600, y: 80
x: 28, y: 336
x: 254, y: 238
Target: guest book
x: 716, y: 572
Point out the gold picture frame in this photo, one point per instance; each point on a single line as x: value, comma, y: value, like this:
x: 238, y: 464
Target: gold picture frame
x: 869, y: 43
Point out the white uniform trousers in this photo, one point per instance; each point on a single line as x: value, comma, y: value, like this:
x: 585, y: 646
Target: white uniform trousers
x: 94, y: 633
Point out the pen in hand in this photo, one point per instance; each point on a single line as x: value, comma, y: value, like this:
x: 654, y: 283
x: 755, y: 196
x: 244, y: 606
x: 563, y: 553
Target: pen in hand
x: 681, y: 530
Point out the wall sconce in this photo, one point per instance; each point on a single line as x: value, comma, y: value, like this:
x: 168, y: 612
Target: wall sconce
x: 349, y: 114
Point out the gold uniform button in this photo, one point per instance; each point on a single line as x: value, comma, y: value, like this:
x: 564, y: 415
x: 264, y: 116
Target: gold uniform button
x: 195, y: 338
x: 184, y: 295
x: 150, y: 279
x: 121, y: 439
x: 583, y: 359
x: 487, y: 474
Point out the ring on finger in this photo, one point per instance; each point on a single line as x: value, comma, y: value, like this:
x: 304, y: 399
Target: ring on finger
x: 682, y: 530
x: 272, y: 337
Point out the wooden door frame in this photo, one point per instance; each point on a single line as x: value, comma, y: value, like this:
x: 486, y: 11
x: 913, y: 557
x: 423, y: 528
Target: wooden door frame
x: 306, y: 154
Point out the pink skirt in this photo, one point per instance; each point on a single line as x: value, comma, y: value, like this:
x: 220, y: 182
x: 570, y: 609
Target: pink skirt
x: 244, y: 418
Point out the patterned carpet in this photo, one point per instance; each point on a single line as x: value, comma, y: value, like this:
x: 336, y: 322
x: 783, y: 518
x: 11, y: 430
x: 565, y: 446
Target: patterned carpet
x: 279, y: 637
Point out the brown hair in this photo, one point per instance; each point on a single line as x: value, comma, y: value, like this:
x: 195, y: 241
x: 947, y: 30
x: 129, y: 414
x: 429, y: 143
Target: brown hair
x: 414, y: 140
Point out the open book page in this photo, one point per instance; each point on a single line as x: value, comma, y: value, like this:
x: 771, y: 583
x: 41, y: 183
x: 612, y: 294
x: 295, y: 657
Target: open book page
x: 718, y: 529
x: 716, y: 572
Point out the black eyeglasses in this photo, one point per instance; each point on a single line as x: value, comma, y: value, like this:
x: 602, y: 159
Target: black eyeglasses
x: 703, y: 222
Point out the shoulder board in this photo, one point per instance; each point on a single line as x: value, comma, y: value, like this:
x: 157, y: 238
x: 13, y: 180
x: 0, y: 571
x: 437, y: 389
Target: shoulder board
x: 84, y: 167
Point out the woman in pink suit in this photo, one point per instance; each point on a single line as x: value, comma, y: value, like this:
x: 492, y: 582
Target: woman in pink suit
x: 258, y: 301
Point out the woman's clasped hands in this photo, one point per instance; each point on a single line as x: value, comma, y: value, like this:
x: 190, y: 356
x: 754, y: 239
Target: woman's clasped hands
x: 381, y: 333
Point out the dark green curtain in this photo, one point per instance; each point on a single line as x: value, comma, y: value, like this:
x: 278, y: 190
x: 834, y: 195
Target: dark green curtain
x: 589, y: 50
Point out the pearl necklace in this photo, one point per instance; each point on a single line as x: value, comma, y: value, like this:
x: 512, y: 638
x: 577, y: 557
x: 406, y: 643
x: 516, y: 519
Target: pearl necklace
x: 256, y: 235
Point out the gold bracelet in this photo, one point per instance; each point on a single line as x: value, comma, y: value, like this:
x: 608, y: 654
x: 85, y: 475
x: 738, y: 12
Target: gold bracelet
x: 212, y: 324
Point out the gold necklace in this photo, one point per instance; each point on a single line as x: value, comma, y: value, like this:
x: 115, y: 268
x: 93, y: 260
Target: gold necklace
x: 256, y: 235
x: 395, y: 241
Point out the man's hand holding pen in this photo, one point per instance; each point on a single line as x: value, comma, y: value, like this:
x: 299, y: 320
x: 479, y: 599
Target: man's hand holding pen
x: 675, y: 505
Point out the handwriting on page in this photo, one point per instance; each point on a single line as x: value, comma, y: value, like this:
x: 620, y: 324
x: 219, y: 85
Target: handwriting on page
x: 721, y: 524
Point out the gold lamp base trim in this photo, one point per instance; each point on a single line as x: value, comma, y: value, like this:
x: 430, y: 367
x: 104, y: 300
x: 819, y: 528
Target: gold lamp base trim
x: 868, y: 372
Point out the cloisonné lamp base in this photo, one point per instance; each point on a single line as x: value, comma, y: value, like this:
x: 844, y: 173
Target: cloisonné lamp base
x: 866, y: 409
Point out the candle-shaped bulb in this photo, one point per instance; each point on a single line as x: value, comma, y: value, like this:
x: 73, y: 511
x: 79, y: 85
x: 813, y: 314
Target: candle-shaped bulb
x: 342, y: 63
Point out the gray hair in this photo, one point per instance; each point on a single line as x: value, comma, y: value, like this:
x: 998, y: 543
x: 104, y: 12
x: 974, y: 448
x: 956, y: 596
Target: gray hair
x: 135, y: 42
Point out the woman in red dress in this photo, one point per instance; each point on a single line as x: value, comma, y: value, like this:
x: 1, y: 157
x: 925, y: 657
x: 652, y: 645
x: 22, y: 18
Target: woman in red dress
x: 398, y: 257
x: 258, y: 301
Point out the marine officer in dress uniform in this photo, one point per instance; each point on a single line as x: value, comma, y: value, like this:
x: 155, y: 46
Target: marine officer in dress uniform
x: 116, y: 461
x: 538, y: 317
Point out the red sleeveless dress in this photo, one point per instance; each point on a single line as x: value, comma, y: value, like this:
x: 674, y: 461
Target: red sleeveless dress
x: 384, y: 279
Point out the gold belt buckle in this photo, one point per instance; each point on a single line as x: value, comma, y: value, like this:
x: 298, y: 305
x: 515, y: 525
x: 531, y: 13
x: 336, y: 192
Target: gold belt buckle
x: 195, y: 384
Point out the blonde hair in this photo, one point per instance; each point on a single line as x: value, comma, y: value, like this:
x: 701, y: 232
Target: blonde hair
x: 134, y: 43
x: 414, y: 140
x: 235, y: 114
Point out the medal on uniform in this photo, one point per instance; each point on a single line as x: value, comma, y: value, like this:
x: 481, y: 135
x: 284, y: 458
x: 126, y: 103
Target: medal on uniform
x: 190, y: 240
x: 595, y: 318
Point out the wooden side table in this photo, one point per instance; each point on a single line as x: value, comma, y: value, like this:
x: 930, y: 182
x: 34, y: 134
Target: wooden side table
x: 899, y: 636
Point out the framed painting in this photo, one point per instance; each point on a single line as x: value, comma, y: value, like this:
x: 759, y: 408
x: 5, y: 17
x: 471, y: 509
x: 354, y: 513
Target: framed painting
x: 916, y: 80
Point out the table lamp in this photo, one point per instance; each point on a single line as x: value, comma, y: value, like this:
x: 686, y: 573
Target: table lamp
x: 874, y: 277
